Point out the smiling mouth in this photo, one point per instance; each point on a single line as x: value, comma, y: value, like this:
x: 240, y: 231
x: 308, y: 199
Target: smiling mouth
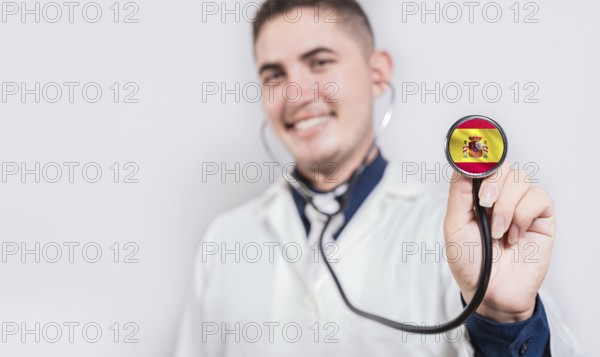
x: 309, y: 123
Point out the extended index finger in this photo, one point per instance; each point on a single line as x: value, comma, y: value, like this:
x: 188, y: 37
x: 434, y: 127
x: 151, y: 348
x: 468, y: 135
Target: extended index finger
x: 492, y: 186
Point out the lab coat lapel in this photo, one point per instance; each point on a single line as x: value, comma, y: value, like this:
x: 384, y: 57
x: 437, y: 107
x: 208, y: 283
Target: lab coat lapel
x: 283, y: 221
x: 282, y: 218
x: 363, y: 225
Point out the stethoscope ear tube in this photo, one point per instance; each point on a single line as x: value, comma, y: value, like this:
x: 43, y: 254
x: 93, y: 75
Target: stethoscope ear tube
x: 483, y: 281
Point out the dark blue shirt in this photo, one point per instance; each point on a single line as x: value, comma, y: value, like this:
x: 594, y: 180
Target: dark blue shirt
x: 489, y: 338
x: 530, y: 337
x: 365, y: 183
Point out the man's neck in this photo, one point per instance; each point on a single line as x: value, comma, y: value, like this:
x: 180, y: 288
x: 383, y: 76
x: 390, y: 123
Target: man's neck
x: 331, y: 175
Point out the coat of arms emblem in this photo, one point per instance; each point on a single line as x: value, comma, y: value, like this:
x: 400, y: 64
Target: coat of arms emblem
x: 475, y: 148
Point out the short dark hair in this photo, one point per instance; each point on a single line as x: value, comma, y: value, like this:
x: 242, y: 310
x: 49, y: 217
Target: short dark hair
x: 347, y: 12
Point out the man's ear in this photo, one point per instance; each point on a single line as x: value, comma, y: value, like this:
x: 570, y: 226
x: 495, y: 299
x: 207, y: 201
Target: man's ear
x: 381, y: 64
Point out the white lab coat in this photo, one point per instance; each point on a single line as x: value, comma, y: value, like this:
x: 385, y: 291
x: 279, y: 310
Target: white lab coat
x: 269, y: 295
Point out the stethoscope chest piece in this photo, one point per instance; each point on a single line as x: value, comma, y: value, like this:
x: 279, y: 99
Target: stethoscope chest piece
x: 476, y: 146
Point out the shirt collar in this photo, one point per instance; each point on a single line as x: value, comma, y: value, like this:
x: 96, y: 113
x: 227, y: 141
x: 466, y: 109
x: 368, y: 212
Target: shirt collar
x: 365, y: 183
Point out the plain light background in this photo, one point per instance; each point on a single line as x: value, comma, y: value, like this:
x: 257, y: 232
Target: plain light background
x: 171, y: 134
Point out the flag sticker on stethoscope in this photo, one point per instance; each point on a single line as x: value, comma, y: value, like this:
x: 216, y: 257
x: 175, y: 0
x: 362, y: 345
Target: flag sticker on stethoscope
x: 476, y: 146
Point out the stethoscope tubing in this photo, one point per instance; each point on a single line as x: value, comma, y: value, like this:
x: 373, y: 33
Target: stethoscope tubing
x: 482, y: 219
x: 483, y: 281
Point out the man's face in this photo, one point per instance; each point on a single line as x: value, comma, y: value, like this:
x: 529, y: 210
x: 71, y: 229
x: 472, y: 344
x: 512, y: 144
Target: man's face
x: 317, y: 88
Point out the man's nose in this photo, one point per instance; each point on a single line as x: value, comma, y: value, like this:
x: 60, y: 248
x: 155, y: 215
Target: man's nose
x: 301, y: 88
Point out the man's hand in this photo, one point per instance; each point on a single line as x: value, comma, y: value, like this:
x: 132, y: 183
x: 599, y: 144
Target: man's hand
x: 523, y: 228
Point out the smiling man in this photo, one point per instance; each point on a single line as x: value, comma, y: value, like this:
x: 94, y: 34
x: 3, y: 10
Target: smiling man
x: 334, y: 59
x: 261, y: 289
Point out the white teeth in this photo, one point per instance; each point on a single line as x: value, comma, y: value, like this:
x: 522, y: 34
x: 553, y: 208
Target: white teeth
x: 311, y: 123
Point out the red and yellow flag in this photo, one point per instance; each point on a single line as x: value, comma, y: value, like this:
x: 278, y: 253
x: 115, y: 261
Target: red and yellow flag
x: 476, y: 146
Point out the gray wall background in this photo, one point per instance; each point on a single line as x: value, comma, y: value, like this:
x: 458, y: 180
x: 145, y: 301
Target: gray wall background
x: 165, y: 128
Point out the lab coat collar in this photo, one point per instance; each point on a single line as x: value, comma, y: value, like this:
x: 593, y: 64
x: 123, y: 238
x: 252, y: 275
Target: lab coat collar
x: 365, y: 183
x: 280, y: 213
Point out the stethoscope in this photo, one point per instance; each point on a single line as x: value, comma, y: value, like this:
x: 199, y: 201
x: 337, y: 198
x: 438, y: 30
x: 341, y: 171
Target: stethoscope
x: 467, y: 152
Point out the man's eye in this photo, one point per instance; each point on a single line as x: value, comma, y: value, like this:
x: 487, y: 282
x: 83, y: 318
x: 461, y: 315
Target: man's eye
x: 273, y: 76
x: 321, y: 63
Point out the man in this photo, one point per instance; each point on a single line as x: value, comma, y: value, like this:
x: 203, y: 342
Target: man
x: 253, y: 297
